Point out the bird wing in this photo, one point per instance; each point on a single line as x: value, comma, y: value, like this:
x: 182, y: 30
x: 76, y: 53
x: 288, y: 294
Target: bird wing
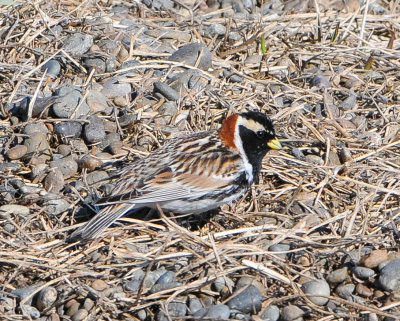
x: 199, y: 175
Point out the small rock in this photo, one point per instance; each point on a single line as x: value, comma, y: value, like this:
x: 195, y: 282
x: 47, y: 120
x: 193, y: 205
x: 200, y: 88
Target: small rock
x: 89, y: 162
x: 46, y: 298
x: 364, y: 291
x: 317, y: 287
x: 31, y: 311
x: 363, y: 272
x: 99, y: 285
x: 216, y: 30
x: 57, y: 206
x: 67, y: 166
x: 94, y: 131
x: 389, y: 277
x: 247, y: 300
x: 213, y: 312
x: 115, y: 87
x: 135, y: 281
x: 53, y: 68
x: 15, y: 210
x: 292, y: 313
x: 190, y: 53
x: 36, y: 142
x: 166, y: 91
x: 97, y: 63
x: 17, y: 152
x: 271, y: 313
x: 67, y: 101
x: 194, y: 304
x: 280, y: 248
x: 88, y: 304
x: 96, y: 101
x: 32, y: 128
x: 77, y: 44
x: 97, y: 178
x: 72, y: 307
x: 337, y: 276
x: 79, y: 315
x: 375, y: 258
x: 110, y: 138
x: 68, y: 129
x: 345, y: 291
x: 54, y: 181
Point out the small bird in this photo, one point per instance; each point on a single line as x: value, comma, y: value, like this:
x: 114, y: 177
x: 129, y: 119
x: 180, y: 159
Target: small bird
x: 190, y: 174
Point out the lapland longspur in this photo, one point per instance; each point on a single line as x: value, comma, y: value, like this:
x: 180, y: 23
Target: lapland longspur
x: 190, y: 174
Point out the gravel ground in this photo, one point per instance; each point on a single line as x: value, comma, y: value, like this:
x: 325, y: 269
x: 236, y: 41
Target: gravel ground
x: 87, y: 86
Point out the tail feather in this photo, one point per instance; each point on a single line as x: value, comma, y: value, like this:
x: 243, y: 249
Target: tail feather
x: 101, y: 221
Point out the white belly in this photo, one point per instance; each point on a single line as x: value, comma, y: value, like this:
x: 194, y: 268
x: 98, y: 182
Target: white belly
x: 198, y: 206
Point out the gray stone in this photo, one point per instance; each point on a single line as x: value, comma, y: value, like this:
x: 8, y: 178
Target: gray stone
x: 389, y: 277
x: 54, y: 181
x: 291, y: 313
x: 317, y: 287
x: 94, y: 131
x: 69, y: 129
x: 57, y: 206
x: 345, y: 291
x: 46, y: 298
x: 32, y: 128
x: 213, y: 312
x: 271, y: 313
x: 189, y: 54
x: 67, y: 102
x: 363, y: 272
x: 53, y: 68
x: 247, y: 300
x: 77, y: 44
x: 166, y: 91
x: 115, y: 87
x: 67, y: 166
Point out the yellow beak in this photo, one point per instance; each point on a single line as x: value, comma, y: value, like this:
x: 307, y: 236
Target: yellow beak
x: 274, y: 144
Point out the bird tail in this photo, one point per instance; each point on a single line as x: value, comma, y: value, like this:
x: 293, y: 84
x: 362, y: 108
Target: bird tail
x: 100, y: 222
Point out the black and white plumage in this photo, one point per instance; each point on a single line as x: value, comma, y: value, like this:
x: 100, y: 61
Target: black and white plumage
x: 190, y: 174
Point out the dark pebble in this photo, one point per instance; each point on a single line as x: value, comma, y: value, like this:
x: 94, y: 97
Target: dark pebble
x: 166, y: 91
x: 22, y: 293
x: 247, y: 300
x: 31, y: 311
x: 69, y: 129
x: 345, y: 291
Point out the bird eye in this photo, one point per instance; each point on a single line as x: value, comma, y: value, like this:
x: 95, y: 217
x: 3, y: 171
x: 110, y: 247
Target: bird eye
x: 261, y: 134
